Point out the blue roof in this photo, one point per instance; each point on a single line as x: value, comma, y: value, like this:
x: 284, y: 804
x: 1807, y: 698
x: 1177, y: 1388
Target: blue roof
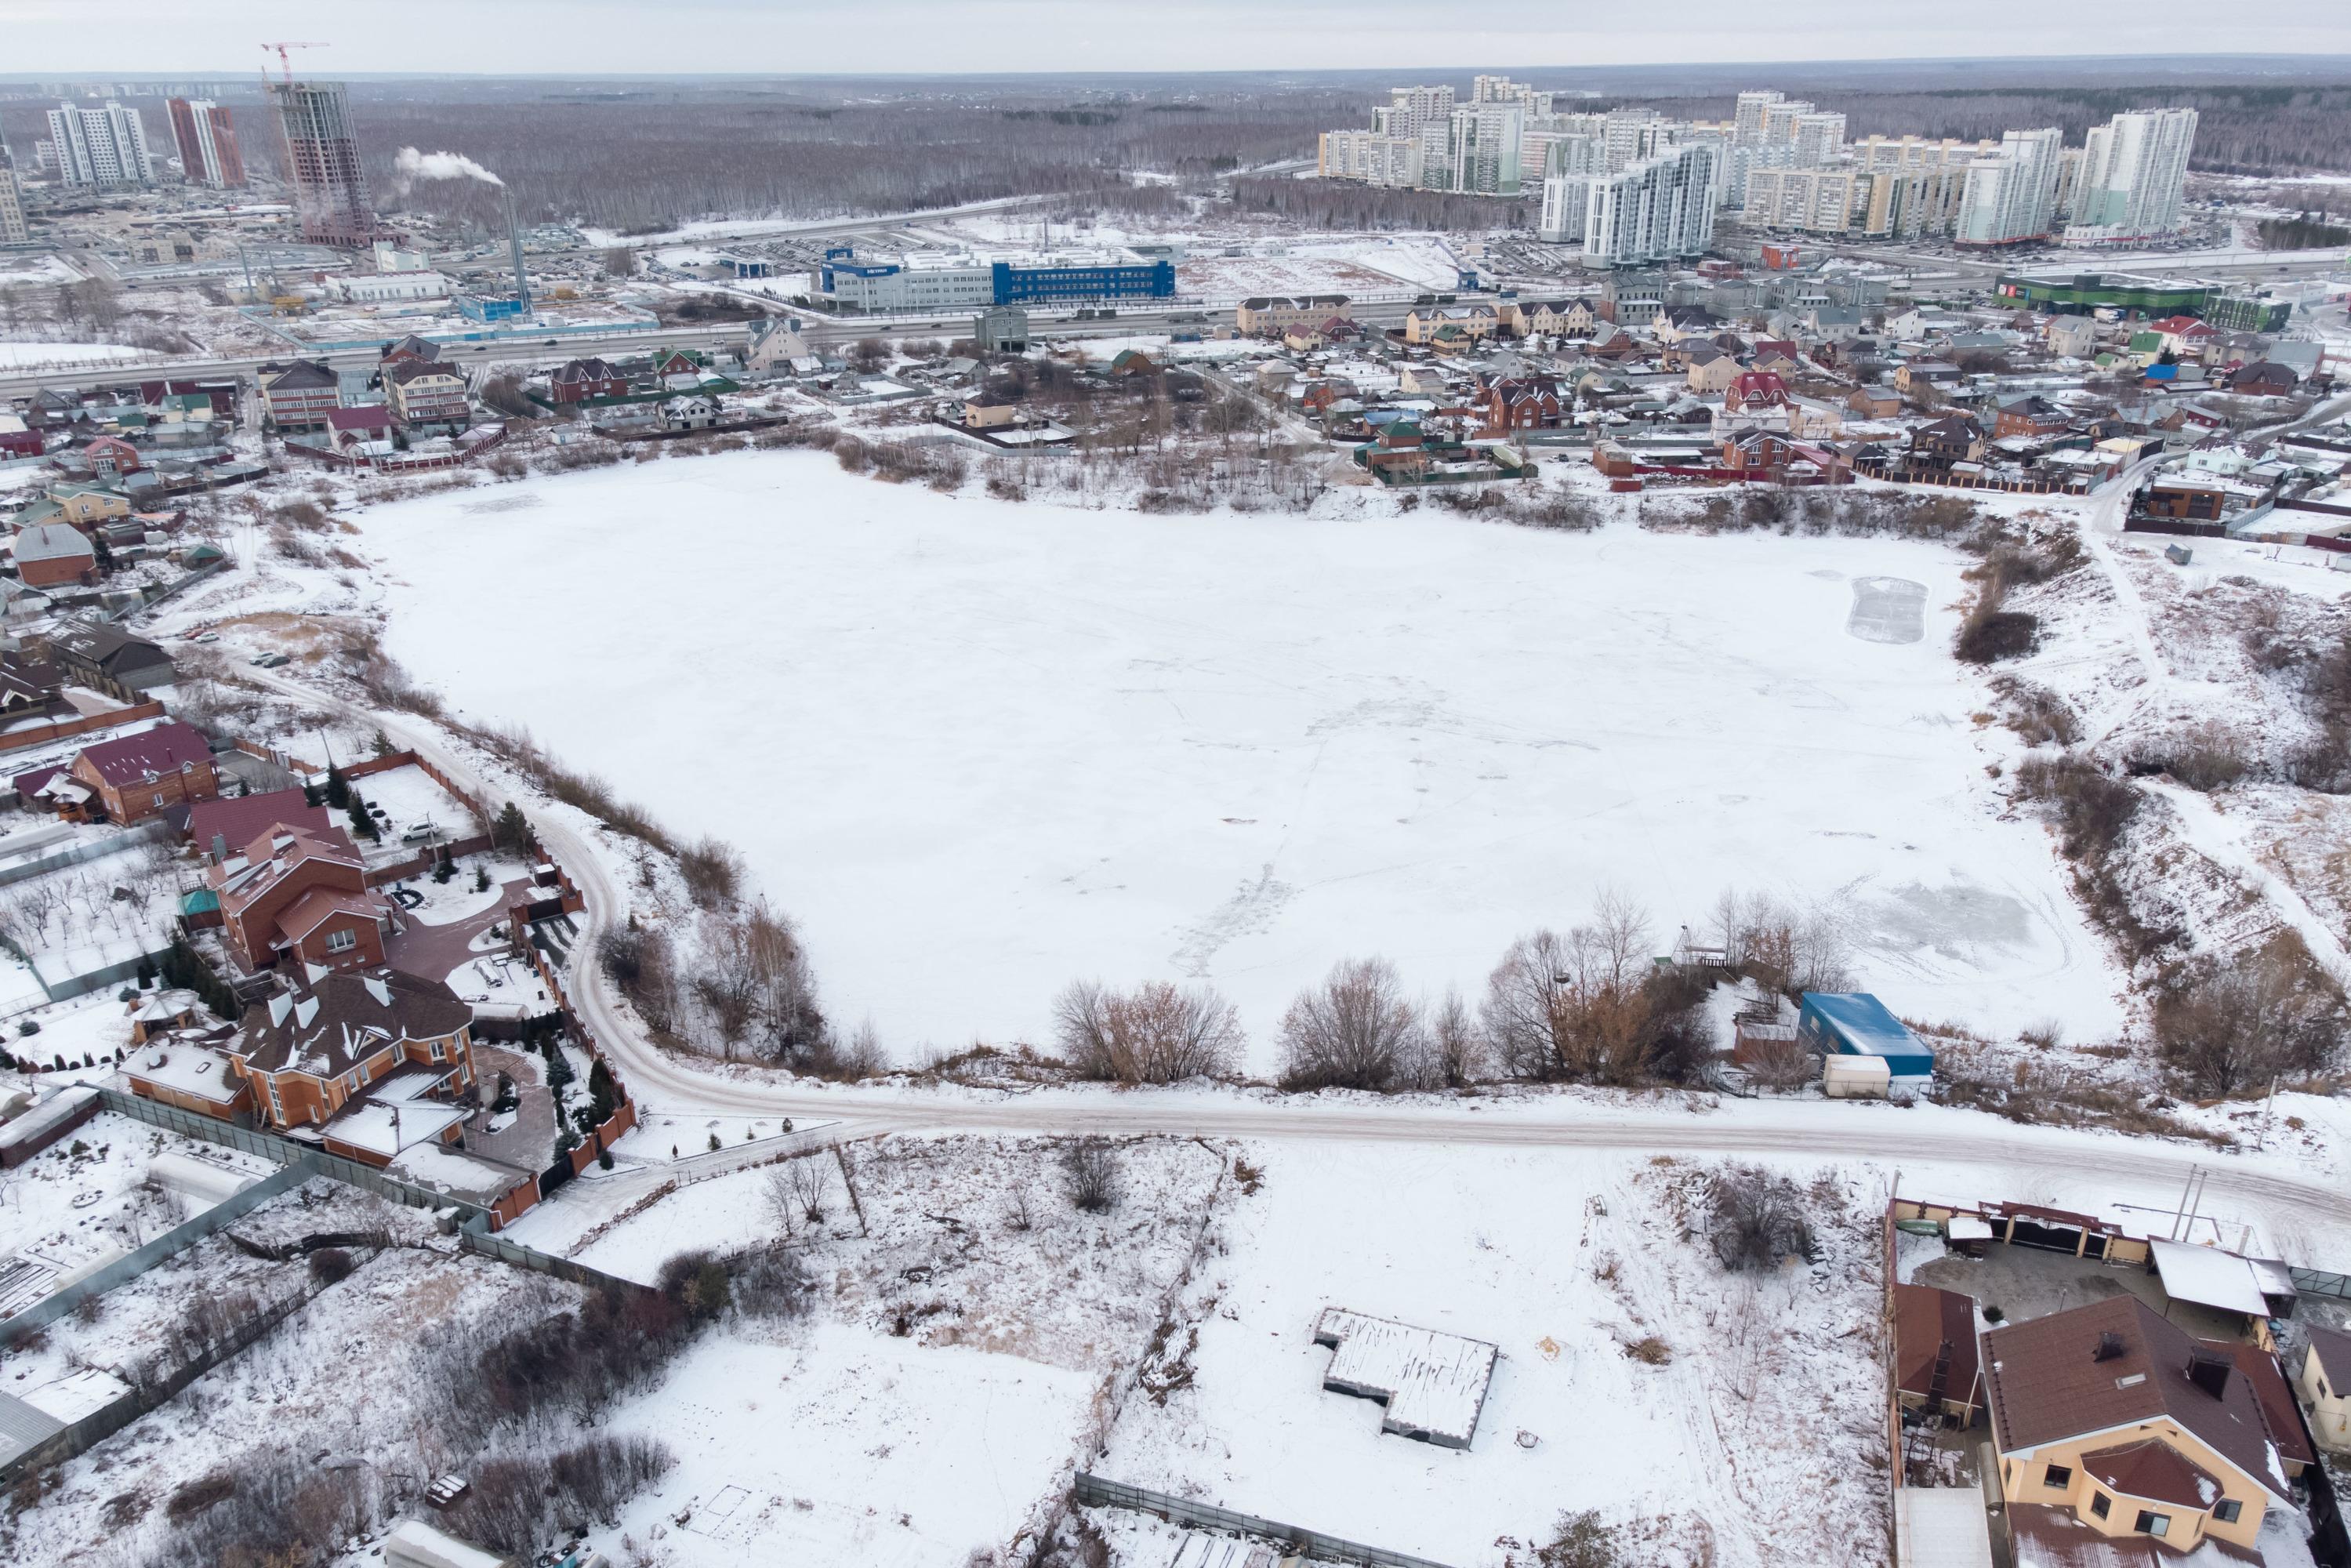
x: 1857, y: 1024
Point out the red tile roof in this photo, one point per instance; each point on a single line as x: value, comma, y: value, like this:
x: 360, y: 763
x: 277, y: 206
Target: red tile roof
x: 248, y: 817
x: 133, y: 758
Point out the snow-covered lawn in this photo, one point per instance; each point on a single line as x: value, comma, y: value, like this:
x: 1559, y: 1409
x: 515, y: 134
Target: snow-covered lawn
x: 1753, y: 1441
x: 980, y: 748
x: 60, y: 356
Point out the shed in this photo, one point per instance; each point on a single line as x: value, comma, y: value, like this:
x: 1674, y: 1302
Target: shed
x: 1854, y: 1023
x: 1934, y: 1362
x: 414, y: 1543
x: 2208, y: 1276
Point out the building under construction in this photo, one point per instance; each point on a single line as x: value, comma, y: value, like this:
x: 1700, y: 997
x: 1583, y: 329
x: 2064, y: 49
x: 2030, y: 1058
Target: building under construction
x: 322, y: 161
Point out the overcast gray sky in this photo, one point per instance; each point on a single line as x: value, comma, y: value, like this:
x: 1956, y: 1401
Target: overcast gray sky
x: 964, y: 36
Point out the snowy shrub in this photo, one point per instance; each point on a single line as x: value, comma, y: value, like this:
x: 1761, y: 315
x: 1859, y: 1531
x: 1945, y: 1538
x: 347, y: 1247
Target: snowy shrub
x: 773, y: 1283
x: 2090, y: 810
x: 713, y: 871
x: 2038, y: 716
x: 1759, y: 1219
x: 330, y: 1265
x: 1090, y: 1169
x: 1156, y: 1033
x: 2229, y: 1026
x: 1580, y: 1540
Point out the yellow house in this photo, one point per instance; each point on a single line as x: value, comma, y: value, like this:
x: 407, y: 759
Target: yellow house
x: 1475, y: 321
x: 84, y: 504
x: 989, y: 411
x: 1712, y: 372
x: 2324, y: 1385
x: 1549, y: 319
x: 2112, y: 1416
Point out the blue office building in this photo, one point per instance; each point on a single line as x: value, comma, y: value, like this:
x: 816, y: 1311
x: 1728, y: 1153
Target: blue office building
x: 1044, y: 282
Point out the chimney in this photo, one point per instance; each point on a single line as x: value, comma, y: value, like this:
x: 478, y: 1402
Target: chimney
x: 2209, y: 1371
x: 514, y: 252
x: 2110, y: 1346
x: 220, y: 848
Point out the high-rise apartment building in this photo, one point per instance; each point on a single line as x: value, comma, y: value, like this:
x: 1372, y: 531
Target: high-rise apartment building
x: 1371, y: 156
x: 1809, y: 201
x: 1658, y: 209
x: 207, y: 141
x: 101, y: 146
x: 2133, y: 176
x: 2011, y: 196
x: 1503, y: 89
x: 13, y: 230
x: 1482, y: 146
x: 323, y: 163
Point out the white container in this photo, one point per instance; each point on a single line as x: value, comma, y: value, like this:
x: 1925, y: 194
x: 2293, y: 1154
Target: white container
x: 1855, y: 1076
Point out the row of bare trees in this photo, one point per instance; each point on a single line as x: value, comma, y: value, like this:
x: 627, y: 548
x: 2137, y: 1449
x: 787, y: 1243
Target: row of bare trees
x: 1587, y: 1005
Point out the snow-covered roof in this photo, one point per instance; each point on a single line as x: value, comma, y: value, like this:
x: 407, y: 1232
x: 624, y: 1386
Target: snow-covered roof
x: 1433, y: 1384
x: 414, y: 1543
x: 2208, y: 1277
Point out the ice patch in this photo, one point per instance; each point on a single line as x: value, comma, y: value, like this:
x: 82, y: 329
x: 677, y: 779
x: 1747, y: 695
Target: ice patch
x: 1887, y: 610
x: 521, y: 501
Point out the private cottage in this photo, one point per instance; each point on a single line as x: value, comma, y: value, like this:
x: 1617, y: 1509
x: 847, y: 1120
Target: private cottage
x: 364, y: 1062
x: 301, y: 893
x: 2324, y: 1385
x: 54, y: 555
x: 2110, y: 1418
x: 135, y: 777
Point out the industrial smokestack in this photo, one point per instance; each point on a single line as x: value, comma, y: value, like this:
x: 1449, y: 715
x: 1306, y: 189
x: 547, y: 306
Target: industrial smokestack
x: 514, y: 248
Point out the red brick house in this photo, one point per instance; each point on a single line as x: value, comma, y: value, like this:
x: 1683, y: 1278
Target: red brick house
x: 301, y: 395
x: 368, y: 422
x: 110, y: 457
x: 1509, y: 404
x: 366, y: 1063
x: 135, y: 777
x: 300, y: 894
x: 2030, y: 416
x: 577, y: 381
x: 54, y: 555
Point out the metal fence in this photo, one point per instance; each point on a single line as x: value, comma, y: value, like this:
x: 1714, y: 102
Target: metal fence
x: 286, y: 1151
x: 79, y: 1437
x: 2321, y: 1282
x: 172, y: 1243
x: 1093, y: 1491
x: 84, y: 850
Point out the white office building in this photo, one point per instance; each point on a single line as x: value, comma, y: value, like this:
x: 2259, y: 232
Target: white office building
x: 101, y: 146
x: 2011, y: 196
x: 2133, y: 175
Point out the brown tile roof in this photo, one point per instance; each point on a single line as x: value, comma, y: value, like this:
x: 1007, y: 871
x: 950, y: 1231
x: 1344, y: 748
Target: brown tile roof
x: 2048, y: 1537
x: 328, y: 1027
x: 2154, y: 1470
x: 2260, y: 1369
x: 1924, y: 1317
x: 2048, y: 1385
x: 248, y: 817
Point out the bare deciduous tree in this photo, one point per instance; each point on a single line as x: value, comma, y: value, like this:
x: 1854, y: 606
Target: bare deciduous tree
x: 1156, y: 1033
x: 1357, y: 1030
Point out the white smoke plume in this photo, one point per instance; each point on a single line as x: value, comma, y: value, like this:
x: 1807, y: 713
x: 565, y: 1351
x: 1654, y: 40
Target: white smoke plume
x: 412, y: 165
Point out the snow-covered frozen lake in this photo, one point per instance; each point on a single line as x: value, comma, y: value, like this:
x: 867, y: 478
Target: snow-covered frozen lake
x: 980, y: 748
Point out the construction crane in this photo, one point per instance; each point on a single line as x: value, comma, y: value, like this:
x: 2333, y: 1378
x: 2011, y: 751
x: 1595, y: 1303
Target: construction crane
x: 283, y: 63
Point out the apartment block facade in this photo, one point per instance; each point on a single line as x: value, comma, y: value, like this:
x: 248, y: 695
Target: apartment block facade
x: 101, y: 146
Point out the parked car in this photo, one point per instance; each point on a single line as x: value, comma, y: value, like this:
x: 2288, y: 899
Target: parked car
x: 271, y: 661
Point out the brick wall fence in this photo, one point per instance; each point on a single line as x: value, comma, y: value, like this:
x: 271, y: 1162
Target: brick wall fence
x: 81, y: 724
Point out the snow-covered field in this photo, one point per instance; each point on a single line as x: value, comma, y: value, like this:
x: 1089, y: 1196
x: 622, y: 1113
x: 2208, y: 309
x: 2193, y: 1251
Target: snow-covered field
x: 1565, y: 1261
x: 981, y: 748
x: 60, y: 356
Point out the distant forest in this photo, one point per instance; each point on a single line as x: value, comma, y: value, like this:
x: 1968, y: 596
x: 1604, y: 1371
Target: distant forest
x: 644, y: 164
x: 639, y: 157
